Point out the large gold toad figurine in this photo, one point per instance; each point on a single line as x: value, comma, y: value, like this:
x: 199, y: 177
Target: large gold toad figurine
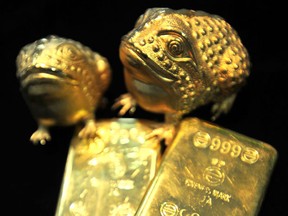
x: 62, y: 82
x: 177, y: 60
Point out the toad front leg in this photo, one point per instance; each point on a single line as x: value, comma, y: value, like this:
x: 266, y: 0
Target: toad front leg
x: 126, y: 103
x: 89, y: 131
x: 41, y: 135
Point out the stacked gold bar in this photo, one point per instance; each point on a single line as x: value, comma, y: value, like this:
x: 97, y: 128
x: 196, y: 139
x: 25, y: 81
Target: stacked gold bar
x: 209, y: 170
x: 109, y: 175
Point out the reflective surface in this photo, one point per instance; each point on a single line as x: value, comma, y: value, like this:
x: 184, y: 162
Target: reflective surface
x: 178, y: 60
x: 109, y: 175
x: 209, y: 170
x: 174, y: 62
x: 261, y: 110
x: 62, y: 82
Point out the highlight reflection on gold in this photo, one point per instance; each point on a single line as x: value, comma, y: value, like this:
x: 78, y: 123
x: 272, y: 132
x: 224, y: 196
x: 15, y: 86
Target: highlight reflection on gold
x: 209, y: 170
x: 109, y: 175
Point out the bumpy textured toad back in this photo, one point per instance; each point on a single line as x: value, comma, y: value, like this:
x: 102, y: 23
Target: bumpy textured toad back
x: 62, y: 82
x: 177, y: 60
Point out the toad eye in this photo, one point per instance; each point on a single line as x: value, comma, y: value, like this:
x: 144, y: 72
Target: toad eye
x: 69, y: 51
x: 175, y: 48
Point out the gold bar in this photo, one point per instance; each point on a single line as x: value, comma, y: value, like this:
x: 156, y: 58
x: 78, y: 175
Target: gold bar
x: 109, y: 175
x: 209, y: 170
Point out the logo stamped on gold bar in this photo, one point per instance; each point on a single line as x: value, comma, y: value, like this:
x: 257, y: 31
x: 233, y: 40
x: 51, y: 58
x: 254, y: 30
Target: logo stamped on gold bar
x: 214, y: 175
x: 171, y: 209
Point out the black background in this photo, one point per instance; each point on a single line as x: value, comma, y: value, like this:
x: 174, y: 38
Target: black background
x: 32, y: 174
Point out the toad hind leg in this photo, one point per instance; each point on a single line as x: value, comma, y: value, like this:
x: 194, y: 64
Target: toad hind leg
x: 223, y: 106
x: 167, y: 130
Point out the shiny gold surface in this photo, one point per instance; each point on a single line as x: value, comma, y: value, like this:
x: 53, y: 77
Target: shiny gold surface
x: 209, y: 170
x: 62, y: 82
x: 174, y: 62
x: 177, y: 60
x: 109, y: 175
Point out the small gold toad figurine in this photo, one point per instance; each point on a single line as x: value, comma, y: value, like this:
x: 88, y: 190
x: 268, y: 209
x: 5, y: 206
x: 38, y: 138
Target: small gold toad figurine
x: 177, y: 60
x: 62, y: 82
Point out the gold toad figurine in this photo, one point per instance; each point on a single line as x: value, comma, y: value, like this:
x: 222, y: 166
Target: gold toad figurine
x: 62, y: 82
x: 177, y: 60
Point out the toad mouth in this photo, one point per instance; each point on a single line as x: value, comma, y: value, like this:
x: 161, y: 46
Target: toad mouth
x: 36, y: 76
x: 136, y: 59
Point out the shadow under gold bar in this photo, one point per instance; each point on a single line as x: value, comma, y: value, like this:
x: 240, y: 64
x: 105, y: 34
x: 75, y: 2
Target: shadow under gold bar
x: 110, y: 174
x: 209, y: 170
